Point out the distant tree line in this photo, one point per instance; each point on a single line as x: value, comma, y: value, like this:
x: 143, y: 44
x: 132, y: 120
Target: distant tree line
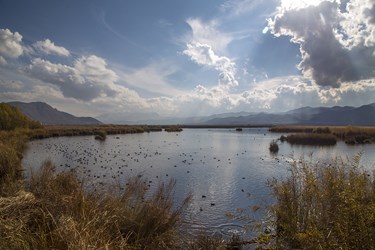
x: 12, y: 118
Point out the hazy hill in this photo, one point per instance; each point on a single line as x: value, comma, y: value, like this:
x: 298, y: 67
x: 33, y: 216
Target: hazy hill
x: 154, y: 118
x: 335, y: 116
x: 46, y: 114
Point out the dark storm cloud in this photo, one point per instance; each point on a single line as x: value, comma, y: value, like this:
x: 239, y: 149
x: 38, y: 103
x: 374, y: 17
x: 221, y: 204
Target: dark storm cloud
x: 330, y: 55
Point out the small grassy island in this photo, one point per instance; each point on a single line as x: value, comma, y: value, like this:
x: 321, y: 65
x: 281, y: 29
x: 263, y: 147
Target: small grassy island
x: 316, y: 135
x: 173, y: 129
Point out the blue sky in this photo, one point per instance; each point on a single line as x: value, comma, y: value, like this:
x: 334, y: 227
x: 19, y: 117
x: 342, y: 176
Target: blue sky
x: 187, y: 58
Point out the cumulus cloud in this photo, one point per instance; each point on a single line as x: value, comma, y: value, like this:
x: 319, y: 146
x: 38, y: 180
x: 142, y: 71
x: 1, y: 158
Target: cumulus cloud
x: 336, y: 46
x: 87, y: 79
x: 10, y: 45
x: 49, y: 47
x: 208, y: 33
x: 203, y: 54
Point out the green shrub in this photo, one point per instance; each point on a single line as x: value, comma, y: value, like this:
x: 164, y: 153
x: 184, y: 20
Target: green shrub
x: 12, y: 118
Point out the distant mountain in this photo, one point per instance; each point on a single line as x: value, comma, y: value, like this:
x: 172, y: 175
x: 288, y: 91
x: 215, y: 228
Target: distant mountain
x: 46, y: 114
x: 323, y: 116
x: 153, y: 118
x: 129, y: 118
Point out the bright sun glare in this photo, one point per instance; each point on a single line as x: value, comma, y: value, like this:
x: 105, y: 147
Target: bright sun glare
x: 298, y: 4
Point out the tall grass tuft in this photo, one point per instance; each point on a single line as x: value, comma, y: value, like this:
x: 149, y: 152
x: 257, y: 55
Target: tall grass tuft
x: 274, y: 148
x: 100, y: 135
x: 58, y: 214
x: 325, y: 206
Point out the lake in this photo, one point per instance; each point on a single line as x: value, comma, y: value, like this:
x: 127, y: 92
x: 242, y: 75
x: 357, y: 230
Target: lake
x: 224, y: 169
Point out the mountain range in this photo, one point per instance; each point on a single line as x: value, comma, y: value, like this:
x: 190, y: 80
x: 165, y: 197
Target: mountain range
x: 322, y: 116
x: 46, y: 114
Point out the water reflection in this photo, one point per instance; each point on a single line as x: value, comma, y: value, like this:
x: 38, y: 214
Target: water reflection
x: 224, y: 169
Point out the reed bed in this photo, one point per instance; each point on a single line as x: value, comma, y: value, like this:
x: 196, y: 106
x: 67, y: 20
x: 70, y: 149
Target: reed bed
x: 350, y: 134
x: 274, y: 147
x: 75, y: 130
x: 173, y: 129
x: 325, y: 206
x: 54, y: 212
x: 311, y: 139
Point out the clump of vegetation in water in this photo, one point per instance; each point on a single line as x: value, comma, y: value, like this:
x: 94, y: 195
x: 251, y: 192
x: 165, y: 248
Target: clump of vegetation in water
x: 173, y: 129
x: 325, y: 206
x: 311, y: 139
x: 349, y: 134
x: 274, y: 148
x: 100, y: 135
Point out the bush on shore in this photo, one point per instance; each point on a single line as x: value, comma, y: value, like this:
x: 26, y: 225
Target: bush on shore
x: 325, y: 207
x: 12, y: 118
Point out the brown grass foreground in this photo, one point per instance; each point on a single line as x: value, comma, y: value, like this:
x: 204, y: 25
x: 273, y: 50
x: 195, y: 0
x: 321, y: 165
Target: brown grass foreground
x: 52, y: 210
x: 325, y: 207
x: 318, y: 207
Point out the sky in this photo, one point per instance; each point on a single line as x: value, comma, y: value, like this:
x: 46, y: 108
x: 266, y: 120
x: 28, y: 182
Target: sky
x: 187, y: 58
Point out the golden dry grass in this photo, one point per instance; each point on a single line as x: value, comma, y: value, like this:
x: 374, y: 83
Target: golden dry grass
x: 349, y: 134
x: 54, y: 212
x: 311, y: 139
x: 325, y: 206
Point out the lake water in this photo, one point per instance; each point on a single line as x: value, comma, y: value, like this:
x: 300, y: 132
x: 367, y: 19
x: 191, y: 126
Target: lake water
x: 222, y: 168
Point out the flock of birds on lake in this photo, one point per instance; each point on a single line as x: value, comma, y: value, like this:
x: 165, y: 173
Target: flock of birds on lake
x: 116, y: 159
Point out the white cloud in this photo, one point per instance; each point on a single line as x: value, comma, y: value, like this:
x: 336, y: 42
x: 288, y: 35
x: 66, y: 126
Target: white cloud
x: 49, y: 47
x: 208, y: 33
x: 10, y: 45
x: 286, y: 5
x: 89, y: 77
x: 11, y: 85
x: 94, y: 69
x: 359, y: 24
x: 203, y: 54
x: 152, y: 78
x: 239, y: 7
